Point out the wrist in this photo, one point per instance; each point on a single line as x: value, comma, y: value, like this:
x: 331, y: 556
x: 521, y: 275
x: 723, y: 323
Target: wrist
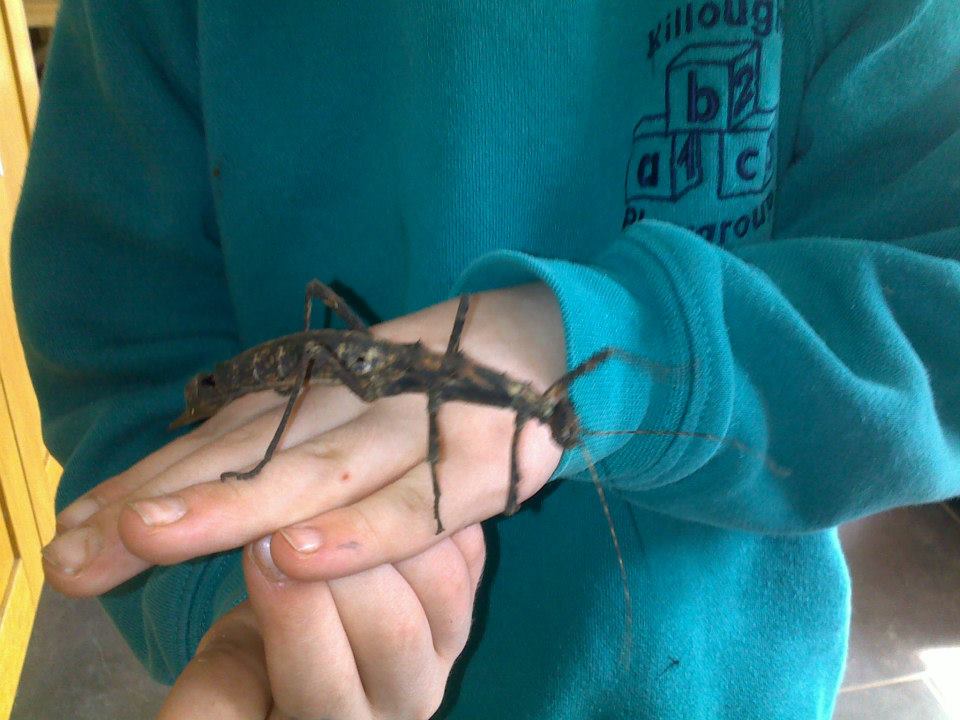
x: 516, y: 330
x: 519, y: 330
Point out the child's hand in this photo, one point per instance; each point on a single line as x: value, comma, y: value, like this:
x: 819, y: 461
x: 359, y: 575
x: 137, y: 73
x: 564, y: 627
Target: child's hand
x: 352, y: 473
x: 379, y: 644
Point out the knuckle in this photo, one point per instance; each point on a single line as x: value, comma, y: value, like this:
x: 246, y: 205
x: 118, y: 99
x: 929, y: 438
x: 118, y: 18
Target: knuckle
x: 459, y: 592
x: 212, y: 493
x: 233, y: 634
x: 219, y: 646
x: 412, y: 501
x: 228, y: 661
x: 201, y: 434
x: 242, y: 436
x: 456, y: 598
x: 473, y: 546
x: 429, y: 697
x: 432, y: 697
x: 360, y: 519
x: 450, y: 572
x: 337, y: 703
x: 330, y: 461
x: 406, y: 634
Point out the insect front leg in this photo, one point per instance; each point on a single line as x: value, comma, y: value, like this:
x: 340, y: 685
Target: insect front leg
x: 433, y: 452
x: 294, y: 394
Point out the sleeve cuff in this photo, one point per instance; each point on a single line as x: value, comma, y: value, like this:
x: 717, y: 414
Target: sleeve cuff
x: 597, y: 311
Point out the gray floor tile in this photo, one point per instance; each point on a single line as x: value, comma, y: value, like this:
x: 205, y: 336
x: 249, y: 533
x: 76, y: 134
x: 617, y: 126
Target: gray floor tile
x: 79, y: 667
x: 905, y: 567
x: 903, y: 701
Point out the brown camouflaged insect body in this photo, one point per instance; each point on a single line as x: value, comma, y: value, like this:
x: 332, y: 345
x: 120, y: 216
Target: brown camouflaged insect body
x: 269, y: 366
x: 380, y: 368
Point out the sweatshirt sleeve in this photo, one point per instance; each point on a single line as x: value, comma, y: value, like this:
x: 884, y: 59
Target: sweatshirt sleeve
x: 118, y: 281
x: 828, y: 357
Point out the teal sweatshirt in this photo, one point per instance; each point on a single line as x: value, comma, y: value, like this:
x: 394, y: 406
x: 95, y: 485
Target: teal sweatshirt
x: 764, y: 193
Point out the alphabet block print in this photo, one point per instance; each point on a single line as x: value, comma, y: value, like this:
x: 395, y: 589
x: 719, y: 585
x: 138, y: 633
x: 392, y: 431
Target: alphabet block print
x: 663, y: 166
x: 712, y: 89
x: 748, y: 158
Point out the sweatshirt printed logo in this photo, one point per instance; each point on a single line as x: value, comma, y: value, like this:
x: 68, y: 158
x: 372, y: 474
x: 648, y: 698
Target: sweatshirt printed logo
x: 760, y: 17
x: 715, y: 140
x: 710, y: 88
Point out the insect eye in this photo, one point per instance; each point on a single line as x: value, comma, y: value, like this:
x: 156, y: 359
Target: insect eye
x: 361, y: 364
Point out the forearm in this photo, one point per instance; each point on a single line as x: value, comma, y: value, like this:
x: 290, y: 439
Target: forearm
x: 825, y: 356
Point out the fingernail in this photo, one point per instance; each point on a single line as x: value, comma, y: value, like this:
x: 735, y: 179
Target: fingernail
x: 261, y: 555
x: 74, y: 550
x: 160, y: 510
x: 303, y: 539
x: 76, y: 512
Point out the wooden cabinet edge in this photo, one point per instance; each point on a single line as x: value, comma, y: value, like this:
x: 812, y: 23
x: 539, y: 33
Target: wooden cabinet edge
x: 16, y: 626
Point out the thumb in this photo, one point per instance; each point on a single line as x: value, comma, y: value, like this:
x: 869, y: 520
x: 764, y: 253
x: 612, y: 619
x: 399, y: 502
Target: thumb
x: 227, y: 678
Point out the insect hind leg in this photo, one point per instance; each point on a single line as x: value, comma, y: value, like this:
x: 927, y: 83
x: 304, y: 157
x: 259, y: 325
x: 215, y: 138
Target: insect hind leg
x: 453, y: 346
x: 326, y: 294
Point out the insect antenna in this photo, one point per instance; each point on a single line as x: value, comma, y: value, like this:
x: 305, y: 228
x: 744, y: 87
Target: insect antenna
x: 736, y: 443
x: 659, y: 370
x: 733, y: 442
x: 625, y: 653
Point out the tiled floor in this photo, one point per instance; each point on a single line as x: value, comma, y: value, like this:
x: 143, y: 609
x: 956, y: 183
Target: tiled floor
x: 78, y: 667
x: 906, y: 599
x: 906, y: 595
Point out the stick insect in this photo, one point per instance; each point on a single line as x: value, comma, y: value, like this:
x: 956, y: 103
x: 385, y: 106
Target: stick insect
x: 373, y: 368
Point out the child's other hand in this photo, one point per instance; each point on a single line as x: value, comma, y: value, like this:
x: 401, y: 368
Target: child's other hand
x: 349, y: 484
x: 379, y: 644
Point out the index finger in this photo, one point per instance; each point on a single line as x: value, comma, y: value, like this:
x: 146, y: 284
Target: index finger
x: 119, y: 486
x: 87, y: 556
